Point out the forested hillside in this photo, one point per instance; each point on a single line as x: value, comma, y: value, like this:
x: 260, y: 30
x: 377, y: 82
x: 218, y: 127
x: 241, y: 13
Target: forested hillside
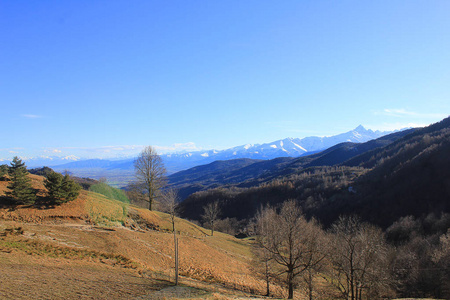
x: 250, y: 173
x: 398, y: 175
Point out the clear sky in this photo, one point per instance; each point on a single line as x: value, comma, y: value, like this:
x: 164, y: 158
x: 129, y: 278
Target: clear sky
x: 99, y: 78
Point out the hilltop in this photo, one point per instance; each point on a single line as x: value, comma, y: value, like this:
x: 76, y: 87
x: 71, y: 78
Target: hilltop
x: 100, y: 248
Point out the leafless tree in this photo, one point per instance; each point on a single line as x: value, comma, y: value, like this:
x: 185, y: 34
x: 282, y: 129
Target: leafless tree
x: 318, y: 245
x: 211, y: 213
x: 291, y: 241
x: 441, y: 257
x: 169, y: 203
x: 262, y: 258
x: 150, y: 173
x: 359, y: 259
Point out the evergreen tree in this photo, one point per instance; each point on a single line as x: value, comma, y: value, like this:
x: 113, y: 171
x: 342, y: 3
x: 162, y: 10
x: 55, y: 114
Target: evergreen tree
x: 61, y: 188
x: 3, y: 171
x: 20, y: 185
x: 71, y: 188
x: 53, y: 184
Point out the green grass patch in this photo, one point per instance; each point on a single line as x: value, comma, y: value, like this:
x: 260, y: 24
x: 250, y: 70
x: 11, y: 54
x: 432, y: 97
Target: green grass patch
x: 110, y: 192
x: 106, y: 212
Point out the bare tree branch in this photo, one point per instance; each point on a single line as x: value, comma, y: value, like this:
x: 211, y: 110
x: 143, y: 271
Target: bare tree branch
x: 150, y: 173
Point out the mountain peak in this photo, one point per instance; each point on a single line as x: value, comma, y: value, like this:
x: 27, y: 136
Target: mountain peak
x: 360, y: 128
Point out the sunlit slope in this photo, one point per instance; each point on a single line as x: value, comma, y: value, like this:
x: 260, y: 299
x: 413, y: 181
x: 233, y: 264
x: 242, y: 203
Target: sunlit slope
x: 95, y: 223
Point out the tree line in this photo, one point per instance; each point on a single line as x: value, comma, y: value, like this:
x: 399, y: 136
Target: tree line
x: 353, y: 257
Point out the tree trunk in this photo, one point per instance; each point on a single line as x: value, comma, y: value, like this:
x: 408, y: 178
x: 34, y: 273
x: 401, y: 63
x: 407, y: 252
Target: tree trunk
x: 176, y: 258
x: 291, y: 284
x: 352, y: 287
x: 267, y: 279
x: 310, y: 285
x: 150, y: 200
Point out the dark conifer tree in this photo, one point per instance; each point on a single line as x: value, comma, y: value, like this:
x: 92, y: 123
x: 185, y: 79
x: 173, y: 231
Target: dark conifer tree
x: 53, y: 184
x: 71, y: 188
x: 3, y: 171
x: 61, y: 188
x: 20, y: 186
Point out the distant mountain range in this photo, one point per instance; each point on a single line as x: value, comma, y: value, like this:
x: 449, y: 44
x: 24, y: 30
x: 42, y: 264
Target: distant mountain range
x: 119, y: 171
x: 244, y: 172
x: 289, y: 147
x: 402, y: 174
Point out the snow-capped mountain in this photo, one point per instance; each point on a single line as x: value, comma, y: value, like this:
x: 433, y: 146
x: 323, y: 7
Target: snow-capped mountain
x: 40, y: 161
x: 289, y: 147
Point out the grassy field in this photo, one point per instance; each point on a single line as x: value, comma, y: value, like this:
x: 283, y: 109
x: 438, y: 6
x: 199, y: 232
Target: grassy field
x: 110, y: 192
x: 99, y: 248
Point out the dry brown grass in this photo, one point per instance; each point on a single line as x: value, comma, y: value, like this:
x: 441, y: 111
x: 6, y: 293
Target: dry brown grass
x: 98, y: 234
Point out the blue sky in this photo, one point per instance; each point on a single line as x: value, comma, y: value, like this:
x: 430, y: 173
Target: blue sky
x: 104, y: 78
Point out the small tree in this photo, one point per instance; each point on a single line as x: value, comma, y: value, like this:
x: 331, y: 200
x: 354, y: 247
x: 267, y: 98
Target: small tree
x: 211, y: 213
x: 150, y: 173
x: 61, y: 188
x: 262, y: 258
x: 169, y: 203
x: 20, y: 185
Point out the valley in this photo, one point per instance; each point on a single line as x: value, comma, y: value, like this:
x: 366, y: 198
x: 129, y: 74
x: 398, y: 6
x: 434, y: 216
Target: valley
x: 225, y: 150
x: 112, y: 246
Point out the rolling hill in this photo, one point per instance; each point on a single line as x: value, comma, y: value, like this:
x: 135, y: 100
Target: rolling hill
x: 95, y: 247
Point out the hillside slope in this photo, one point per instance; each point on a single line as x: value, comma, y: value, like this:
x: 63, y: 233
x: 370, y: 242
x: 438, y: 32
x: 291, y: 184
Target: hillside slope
x: 248, y: 173
x: 408, y: 177
x: 402, y: 174
x: 111, y: 239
